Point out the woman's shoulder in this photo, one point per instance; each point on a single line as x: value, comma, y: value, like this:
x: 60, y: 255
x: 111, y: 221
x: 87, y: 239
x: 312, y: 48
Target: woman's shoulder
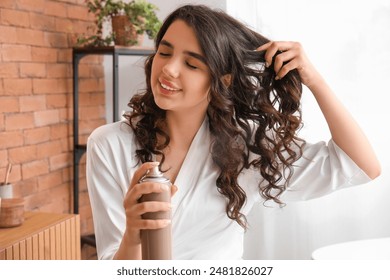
x: 117, y: 131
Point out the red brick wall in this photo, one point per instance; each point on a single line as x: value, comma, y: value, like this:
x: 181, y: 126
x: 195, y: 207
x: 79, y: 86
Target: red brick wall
x: 36, y: 40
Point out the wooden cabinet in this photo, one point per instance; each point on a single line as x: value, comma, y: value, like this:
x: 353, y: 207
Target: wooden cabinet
x: 42, y: 236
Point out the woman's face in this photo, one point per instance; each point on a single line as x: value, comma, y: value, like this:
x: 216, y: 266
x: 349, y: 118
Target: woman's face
x: 180, y: 78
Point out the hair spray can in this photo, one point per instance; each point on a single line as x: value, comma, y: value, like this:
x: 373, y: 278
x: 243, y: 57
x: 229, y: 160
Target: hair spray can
x: 156, y: 243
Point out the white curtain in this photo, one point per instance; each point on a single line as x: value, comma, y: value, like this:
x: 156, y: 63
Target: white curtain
x: 349, y: 42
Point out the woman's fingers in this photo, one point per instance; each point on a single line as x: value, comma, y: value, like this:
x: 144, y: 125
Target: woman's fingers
x: 134, y: 215
x: 288, y: 56
x: 150, y: 206
x: 141, y: 171
x: 140, y: 189
x: 148, y: 224
x: 271, y: 48
x: 282, y: 59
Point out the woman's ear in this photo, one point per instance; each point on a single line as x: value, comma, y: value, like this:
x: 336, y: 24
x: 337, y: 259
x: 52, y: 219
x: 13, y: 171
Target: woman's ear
x: 227, y: 79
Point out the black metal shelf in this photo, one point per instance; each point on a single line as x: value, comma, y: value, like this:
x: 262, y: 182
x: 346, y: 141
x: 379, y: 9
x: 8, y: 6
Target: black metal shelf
x: 80, y: 149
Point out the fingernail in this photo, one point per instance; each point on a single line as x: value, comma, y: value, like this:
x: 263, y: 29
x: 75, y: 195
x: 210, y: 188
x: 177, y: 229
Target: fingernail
x: 277, y: 78
x: 167, y: 222
x: 154, y: 163
x: 165, y: 187
x: 266, y: 64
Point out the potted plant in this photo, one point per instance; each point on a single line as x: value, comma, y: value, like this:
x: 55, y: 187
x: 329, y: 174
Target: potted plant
x: 129, y: 21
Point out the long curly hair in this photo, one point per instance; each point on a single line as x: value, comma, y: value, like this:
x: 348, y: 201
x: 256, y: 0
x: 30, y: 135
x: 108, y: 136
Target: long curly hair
x: 253, y: 115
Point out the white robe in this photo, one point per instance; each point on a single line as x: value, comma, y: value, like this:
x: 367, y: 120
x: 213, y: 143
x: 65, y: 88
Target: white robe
x: 201, y: 228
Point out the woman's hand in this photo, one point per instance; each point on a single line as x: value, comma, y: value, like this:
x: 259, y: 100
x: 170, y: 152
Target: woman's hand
x: 292, y: 57
x: 134, y: 209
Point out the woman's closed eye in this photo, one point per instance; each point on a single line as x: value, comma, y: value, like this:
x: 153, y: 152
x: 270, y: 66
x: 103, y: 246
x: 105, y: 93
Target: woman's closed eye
x: 191, y: 65
x: 165, y: 54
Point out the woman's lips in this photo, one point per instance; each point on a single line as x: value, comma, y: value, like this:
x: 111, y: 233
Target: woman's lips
x: 167, y: 87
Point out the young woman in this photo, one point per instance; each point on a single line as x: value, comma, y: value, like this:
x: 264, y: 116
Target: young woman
x: 220, y: 116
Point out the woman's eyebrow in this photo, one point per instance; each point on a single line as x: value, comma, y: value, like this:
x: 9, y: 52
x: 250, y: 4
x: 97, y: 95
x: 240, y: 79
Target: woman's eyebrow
x: 190, y: 53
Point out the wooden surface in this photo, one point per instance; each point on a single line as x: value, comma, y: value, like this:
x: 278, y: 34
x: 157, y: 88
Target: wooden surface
x: 42, y: 236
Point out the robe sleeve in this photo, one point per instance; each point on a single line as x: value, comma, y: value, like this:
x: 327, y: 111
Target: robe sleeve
x: 322, y: 169
x: 106, y: 196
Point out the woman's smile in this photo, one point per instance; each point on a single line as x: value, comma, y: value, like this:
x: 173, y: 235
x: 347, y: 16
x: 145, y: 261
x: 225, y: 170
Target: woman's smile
x: 168, y: 88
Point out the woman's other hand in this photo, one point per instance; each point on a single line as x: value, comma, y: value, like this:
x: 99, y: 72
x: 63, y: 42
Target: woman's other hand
x: 291, y: 56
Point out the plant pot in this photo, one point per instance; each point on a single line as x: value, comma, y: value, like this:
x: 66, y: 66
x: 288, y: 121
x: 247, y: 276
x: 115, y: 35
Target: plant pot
x: 125, y: 33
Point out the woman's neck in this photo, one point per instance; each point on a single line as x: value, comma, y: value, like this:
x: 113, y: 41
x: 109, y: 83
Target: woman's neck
x: 182, y: 127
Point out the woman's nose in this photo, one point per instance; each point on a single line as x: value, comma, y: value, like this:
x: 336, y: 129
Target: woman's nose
x: 172, y: 68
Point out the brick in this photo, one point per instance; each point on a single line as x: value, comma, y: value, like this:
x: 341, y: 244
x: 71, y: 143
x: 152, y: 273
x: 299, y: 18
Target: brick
x: 84, y: 27
x: 19, y: 121
x: 32, y: 103
x: 79, y: 12
x: 8, y: 34
x: 67, y: 144
x: 9, y: 104
x: 64, y: 55
x: 34, y: 168
x: 3, y: 158
x: 47, y: 117
x: 10, y: 4
x: 89, y: 85
x: 9, y: 70
x: 15, y: 18
x: 46, y: 55
x: 91, y: 99
x: 42, y: 22
x: 26, y: 187
x: 36, y: 200
x: 2, y: 121
x: 60, y: 161
x: 49, y: 149
x: 87, y: 126
x: 55, y: 101
x: 30, y: 37
x: 32, y: 70
x: 59, y: 131
x: 50, y: 86
x: 84, y: 71
x: 55, y: 9
x: 57, y: 40
x: 17, y: 86
x: 59, y: 70
x: 50, y: 180
x: 65, y: 25
x: 23, y: 154
x: 84, y: 199
x: 97, y: 71
x: 93, y: 112
x: 15, y: 174
x: 16, y: 53
x: 92, y: 59
x: 62, y: 192
x: 36, y: 135
x: 11, y: 139
x: 67, y: 174
x: 32, y: 5
x: 66, y: 114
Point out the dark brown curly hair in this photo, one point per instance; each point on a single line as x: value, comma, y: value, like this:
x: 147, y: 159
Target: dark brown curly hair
x: 254, y: 115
